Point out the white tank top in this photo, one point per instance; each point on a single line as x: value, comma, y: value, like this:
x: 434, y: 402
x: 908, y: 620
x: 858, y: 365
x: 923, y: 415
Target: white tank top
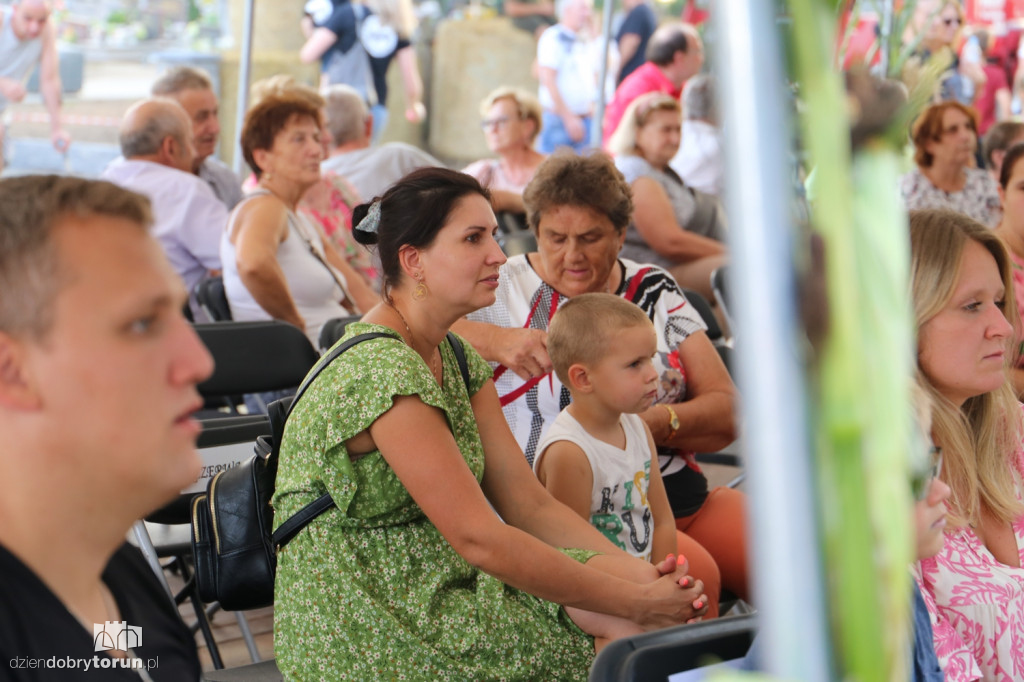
x: 618, y: 500
x: 314, y: 290
x: 17, y: 57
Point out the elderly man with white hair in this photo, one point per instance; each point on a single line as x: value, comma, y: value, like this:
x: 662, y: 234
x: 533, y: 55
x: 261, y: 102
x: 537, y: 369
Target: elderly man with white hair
x: 371, y: 170
x: 159, y: 155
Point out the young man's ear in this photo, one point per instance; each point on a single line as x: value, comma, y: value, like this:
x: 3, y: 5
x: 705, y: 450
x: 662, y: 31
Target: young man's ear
x: 17, y: 389
x: 579, y: 379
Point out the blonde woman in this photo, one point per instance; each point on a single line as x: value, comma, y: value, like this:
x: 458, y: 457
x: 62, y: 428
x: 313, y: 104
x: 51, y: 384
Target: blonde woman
x: 511, y: 120
x: 974, y: 586
x: 674, y: 226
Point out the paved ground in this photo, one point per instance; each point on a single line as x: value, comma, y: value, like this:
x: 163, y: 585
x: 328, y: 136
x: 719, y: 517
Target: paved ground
x: 91, y: 116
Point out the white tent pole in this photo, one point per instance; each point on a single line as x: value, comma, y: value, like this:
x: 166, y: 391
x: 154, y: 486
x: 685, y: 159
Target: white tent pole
x: 597, y: 122
x: 244, y: 75
x: 786, y: 563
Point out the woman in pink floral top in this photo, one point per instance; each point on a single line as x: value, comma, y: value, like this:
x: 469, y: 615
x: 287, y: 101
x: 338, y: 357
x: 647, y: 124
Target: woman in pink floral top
x: 974, y: 587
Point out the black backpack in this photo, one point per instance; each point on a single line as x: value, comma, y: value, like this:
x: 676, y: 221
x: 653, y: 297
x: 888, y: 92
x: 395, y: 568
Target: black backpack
x: 235, y: 551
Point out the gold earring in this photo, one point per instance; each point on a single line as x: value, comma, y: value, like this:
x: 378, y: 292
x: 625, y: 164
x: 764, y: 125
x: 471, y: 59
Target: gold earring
x: 420, y: 291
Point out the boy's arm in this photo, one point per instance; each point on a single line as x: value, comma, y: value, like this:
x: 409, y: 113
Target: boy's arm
x: 663, y: 541
x: 565, y: 471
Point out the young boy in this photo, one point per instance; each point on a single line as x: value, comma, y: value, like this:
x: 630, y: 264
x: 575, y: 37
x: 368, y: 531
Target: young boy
x: 598, y: 457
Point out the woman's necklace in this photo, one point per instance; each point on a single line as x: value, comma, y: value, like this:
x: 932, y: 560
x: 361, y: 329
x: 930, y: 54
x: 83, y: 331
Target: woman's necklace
x: 433, y: 357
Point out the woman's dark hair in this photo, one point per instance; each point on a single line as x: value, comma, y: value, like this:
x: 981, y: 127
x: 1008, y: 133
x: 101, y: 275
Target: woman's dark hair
x: 592, y: 181
x: 1013, y: 155
x: 412, y: 212
x: 269, y: 117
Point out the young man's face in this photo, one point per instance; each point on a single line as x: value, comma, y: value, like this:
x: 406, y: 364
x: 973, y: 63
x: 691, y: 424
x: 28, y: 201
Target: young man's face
x: 116, y: 374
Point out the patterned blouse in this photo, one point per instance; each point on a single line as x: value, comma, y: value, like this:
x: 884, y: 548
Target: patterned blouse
x: 979, y: 199
x: 977, y: 604
x: 525, y: 300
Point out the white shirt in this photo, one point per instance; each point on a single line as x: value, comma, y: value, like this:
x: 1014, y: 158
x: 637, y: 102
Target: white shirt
x: 373, y: 169
x: 188, y: 218
x: 562, y: 50
x: 699, y: 159
x: 622, y: 477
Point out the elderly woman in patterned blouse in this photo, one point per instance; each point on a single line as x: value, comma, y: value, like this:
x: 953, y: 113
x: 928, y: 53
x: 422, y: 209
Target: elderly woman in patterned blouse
x: 579, y: 207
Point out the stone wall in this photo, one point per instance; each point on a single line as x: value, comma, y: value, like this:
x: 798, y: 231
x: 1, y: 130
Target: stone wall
x: 471, y: 57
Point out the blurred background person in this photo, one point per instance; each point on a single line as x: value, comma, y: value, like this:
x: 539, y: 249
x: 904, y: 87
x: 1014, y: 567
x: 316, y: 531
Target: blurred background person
x: 28, y: 38
x: 381, y: 29
x: 945, y: 138
x: 193, y: 90
x: 674, y: 226
x: 997, y: 140
x: 511, y: 120
x: 699, y: 160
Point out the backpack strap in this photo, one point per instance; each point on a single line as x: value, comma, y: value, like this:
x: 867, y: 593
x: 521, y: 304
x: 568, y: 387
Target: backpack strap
x: 460, y: 357
x: 295, y: 523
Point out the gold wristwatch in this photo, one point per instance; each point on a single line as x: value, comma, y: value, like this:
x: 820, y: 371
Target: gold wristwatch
x: 673, y: 422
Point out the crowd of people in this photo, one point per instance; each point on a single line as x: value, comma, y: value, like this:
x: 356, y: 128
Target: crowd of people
x: 513, y: 462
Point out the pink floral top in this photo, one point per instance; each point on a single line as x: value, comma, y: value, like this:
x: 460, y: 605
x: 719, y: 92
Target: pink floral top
x: 976, y: 605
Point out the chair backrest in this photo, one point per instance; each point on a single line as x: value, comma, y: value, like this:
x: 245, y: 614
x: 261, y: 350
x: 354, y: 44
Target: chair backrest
x: 519, y: 242
x: 334, y: 329
x: 720, y: 285
x: 255, y: 357
x: 703, y: 308
x: 657, y: 655
x: 210, y: 296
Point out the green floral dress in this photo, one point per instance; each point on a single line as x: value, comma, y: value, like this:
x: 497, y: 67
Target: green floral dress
x: 371, y: 590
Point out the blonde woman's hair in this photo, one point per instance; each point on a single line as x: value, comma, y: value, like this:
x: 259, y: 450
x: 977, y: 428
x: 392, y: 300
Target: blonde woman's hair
x: 623, y: 140
x: 979, y: 439
x: 527, y: 105
x: 283, y: 84
x: 579, y: 332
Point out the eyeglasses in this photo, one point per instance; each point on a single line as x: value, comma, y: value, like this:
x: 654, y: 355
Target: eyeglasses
x: 499, y: 122
x: 922, y: 483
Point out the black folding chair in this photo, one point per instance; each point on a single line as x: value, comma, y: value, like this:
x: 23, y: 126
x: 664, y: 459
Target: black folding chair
x: 253, y: 357
x: 165, y: 534
x: 657, y: 655
x: 209, y: 294
x: 334, y: 329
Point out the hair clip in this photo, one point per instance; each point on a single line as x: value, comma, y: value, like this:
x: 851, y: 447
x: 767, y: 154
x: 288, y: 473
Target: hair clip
x: 371, y: 221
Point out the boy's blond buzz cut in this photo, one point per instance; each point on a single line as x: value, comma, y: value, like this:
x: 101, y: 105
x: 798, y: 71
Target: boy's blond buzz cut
x: 579, y: 331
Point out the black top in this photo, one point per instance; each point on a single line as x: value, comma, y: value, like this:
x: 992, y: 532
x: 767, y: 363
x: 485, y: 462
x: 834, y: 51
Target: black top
x: 41, y: 640
x: 640, y: 21
x: 343, y: 24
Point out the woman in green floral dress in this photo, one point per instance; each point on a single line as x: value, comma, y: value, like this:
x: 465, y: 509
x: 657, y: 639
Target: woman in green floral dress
x: 442, y: 558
